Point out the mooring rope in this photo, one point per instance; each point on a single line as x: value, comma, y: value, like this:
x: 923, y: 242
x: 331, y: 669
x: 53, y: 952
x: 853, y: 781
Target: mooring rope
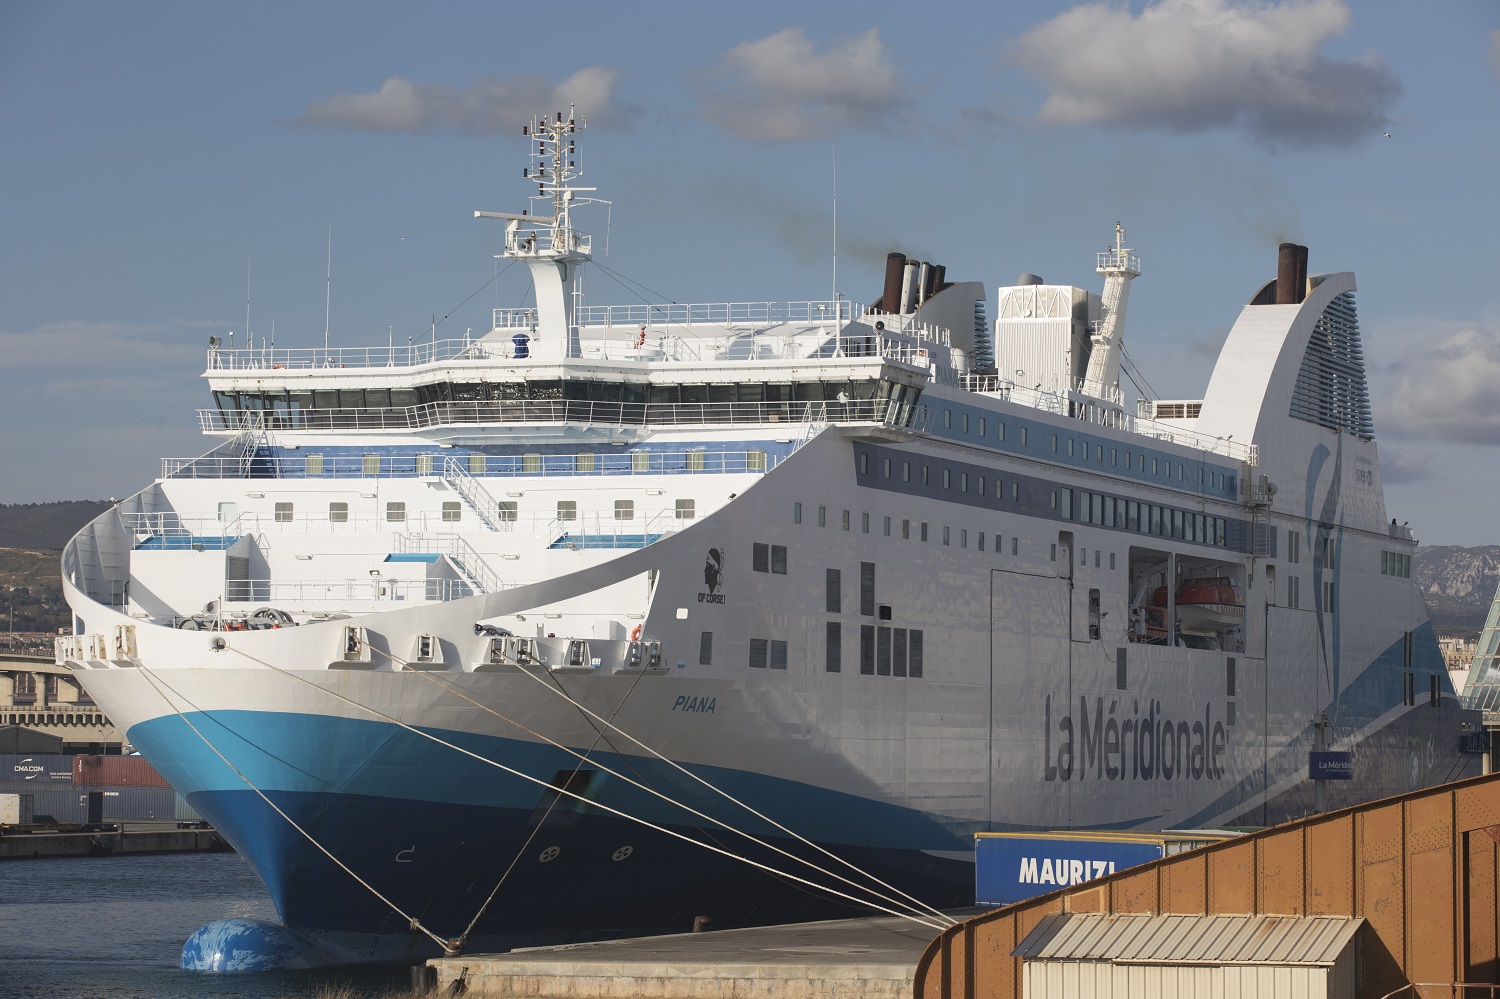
x: 411, y: 920
x: 595, y: 804
x: 893, y: 899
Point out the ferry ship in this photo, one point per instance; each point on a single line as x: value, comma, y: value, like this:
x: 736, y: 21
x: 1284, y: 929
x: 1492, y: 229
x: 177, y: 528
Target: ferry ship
x: 616, y: 619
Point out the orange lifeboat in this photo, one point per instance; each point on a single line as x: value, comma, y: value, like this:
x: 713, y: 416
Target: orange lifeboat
x: 1210, y: 605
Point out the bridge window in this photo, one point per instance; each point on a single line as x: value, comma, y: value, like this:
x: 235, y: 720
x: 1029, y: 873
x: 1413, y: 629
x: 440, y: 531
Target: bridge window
x: 395, y: 513
x: 424, y: 464
x: 567, y: 509
x: 313, y: 464
x: 686, y: 509
x: 283, y: 513
x: 338, y: 513
x: 583, y: 463
x: 453, y: 511
x: 624, y: 509
x: 370, y: 465
x: 506, y: 511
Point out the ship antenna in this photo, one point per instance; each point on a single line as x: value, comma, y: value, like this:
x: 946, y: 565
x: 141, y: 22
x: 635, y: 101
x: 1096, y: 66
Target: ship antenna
x: 835, y: 229
x: 328, y: 292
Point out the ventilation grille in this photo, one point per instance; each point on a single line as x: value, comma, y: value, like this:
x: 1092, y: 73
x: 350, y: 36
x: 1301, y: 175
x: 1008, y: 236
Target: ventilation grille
x: 984, y: 339
x: 1330, y: 388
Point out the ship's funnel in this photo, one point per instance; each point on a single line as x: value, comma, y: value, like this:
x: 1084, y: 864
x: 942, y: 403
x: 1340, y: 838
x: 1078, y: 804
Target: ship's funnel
x: 895, y: 269
x: 1291, y: 274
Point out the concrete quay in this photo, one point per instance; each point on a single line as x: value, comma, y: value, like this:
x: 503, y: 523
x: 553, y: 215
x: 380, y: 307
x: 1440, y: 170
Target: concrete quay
x: 839, y: 959
x: 132, y: 838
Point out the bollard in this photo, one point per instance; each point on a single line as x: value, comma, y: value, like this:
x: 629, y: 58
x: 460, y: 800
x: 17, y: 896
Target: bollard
x: 423, y: 979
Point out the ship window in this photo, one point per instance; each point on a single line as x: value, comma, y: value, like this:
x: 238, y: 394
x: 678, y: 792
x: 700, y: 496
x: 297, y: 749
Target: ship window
x: 478, y: 463
x: 1000, y: 430
x: 981, y: 426
x: 778, y: 654
x: 507, y: 511
x: 395, y: 513
x: 1434, y: 696
x: 834, y: 587
x: 706, y: 649
x: 1015, y: 492
x: 1015, y: 545
x: 923, y: 538
x: 963, y: 482
x: 583, y: 462
x: 228, y: 513
x: 867, y: 649
x: 906, y: 471
x: 1111, y: 561
x: 686, y: 509
x: 1054, y: 443
x: 925, y: 475
x: 864, y: 523
x: 1114, y: 456
x: 914, y: 653
x: 945, y: 535
x: 1054, y: 499
x: 1120, y: 666
x: 1067, y: 504
x: 833, y: 653
x: 796, y: 513
x: 980, y: 539
x: 567, y: 509
x: 1153, y: 466
x: 453, y: 511
x: 822, y: 516
x: 283, y: 513
x: 640, y: 461
x: 882, y: 651
x: 755, y: 461
x: 905, y: 530
x: 965, y: 422
x: 1070, y: 448
x: 1229, y: 678
x: 898, y: 651
x: 1094, y: 626
x: 982, y: 484
x: 947, y: 419
x: 424, y: 464
x: 963, y: 537
x: 867, y: 589
x: 531, y: 463
x: 864, y: 463
x: 1054, y: 553
x: 1179, y: 471
x: 759, y: 653
x: 845, y: 520
x: 338, y: 513
x: 314, y: 464
x: 947, y: 479
x: 695, y: 461
x: 370, y: 465
x: 886, y: 525
x: 624, y: 509
x: 760, y: 557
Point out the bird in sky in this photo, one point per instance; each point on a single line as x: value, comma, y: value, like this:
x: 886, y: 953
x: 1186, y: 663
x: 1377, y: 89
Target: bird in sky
x: 1386, y: 134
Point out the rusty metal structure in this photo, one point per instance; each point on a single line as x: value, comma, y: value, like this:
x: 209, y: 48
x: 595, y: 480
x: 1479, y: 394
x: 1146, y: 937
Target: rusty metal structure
x: 1422, y: 869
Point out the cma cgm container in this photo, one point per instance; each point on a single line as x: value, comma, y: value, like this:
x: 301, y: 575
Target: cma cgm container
x: 38, y: 768
x: 116, y: 771
x: 1010, y: 867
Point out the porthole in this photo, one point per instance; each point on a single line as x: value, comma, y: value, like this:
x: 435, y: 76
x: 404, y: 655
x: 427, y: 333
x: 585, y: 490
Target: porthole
x: 550, y: 854
x: 622, y: 853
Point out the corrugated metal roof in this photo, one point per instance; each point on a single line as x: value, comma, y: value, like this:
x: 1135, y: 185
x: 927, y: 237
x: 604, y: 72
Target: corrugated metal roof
x: 1132, y: 939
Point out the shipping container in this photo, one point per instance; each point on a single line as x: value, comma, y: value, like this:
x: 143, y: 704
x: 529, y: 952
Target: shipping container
x: 17, y: 809
x: 37, y: 769
x: 138, y: 803
x: 1010, y: 867
x: 115, y: 771
x: 186, y: 812
x: 56, y: 804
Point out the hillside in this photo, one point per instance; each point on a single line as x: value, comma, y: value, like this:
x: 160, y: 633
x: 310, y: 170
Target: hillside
x: 46, y: 526
x: 1458, y: 585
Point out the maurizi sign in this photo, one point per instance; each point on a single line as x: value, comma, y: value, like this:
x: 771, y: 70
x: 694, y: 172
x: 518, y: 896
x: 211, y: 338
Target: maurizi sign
x: 1330, y: 766
x: 1011, y: 868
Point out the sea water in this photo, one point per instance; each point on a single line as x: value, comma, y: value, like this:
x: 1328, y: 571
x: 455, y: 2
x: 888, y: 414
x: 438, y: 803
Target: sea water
x: 113, y: 927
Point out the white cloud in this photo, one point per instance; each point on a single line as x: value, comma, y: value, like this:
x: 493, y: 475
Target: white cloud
x: 484, y: 107
x: 1448, y: 389
x: 73, y: 345
x: 1194, y: 65
x: 782, y: 89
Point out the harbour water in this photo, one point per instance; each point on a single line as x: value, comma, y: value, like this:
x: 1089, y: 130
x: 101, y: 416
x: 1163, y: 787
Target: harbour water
x: 114, y: 927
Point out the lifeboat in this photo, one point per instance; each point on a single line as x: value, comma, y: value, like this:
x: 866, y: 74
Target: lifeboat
x: 1210, y: 605
x: 1205, y: 606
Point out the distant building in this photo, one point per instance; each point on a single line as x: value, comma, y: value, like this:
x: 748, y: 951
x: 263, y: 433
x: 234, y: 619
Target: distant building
x: 39, y: 696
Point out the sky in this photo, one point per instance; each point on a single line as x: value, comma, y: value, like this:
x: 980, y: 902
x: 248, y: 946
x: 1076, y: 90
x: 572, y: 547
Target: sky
x: 158, y: 159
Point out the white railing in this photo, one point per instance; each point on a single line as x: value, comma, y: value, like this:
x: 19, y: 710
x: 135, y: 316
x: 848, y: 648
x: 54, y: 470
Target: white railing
x: 619, y: 462
x: 711, y: 313
x: 458, y: 550
x: 541, y: 411
x: 1059, y: 402
x: 372, y: 588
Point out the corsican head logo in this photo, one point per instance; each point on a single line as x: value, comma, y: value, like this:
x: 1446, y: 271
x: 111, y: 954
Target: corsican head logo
x: 713, y: 570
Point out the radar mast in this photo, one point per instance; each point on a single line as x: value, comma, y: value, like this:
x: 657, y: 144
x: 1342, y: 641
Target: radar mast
x: 1118, y: 265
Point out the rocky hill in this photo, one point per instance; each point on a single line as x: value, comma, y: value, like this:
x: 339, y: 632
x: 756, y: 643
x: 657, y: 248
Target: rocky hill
x: 1458, y: 585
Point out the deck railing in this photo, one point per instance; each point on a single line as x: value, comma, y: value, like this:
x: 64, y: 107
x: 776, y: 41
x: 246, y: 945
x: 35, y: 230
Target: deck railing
x: 371, y: 588
x: 543, y: 411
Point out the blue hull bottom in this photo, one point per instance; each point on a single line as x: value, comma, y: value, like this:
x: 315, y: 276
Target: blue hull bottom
x: 570, y: 877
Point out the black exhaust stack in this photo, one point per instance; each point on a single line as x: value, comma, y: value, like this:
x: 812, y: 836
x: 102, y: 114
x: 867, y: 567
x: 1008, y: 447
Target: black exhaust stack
x: 1291, y: 274
x: 895, y: 269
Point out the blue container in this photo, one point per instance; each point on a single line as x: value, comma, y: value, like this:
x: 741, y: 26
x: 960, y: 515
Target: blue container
x: 36, y: 768
x: 1010, y: 867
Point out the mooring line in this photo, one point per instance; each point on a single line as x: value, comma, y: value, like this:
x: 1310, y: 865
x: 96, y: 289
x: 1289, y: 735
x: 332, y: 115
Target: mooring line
x: 411, y: 920
x: 595, y: 804
x: 917, y: 907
